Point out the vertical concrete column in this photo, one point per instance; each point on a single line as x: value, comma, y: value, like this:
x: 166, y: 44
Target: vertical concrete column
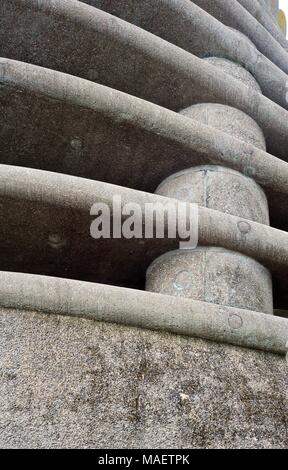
x: 214, y: 274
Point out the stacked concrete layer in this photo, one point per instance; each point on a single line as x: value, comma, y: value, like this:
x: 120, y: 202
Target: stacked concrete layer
x: 218, y: 188
x: 263, y: 16
x: 272, y: 6
x: 103, y: 126
x: 30, y: 198
x: 144, y: 309
x: 233, y: 14
x: 214, y: 274
x: 199, y: 31
x: 118, y: 54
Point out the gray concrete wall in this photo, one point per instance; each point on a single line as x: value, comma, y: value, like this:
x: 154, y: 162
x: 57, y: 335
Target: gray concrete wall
x: 69, y: 382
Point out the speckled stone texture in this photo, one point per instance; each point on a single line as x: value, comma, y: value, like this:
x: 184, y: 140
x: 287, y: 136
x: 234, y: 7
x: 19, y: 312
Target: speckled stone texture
x: 235, y: 70
x: 218, y: 188
x: 73, y: 383
x: 271, y: 5
x: 213, y: 275
x: 227, y: 119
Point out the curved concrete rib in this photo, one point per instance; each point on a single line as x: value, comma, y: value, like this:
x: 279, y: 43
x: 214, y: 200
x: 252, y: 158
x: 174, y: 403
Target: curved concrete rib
x: 146, y: 310
x: 263, y: 16
x: 233, y: 14
x: 58, y: 208
x: 190, y: 27
x: 70, y: 125
x: 118, y: 54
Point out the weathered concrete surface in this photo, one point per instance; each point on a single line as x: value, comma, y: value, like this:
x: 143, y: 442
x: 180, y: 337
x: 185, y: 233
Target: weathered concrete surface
x: 233, y: 14
x: 115, y: 53
x: 213, y: 275
x: 258, y: 10
x: 235, y: 70
x: 103, y: 126
x: 218, y: 188
x: 229, y: 120
x: 147, y: 310
x: 71, y: 383
x: 57, y: 207
x: 272, y: 6
x: 183, y: 23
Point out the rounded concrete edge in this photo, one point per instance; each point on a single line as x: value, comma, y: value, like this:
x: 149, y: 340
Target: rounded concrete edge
x: 144, y: 310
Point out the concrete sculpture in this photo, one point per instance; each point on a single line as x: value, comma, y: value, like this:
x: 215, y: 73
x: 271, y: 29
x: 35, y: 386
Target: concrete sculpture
x: 166, y: 102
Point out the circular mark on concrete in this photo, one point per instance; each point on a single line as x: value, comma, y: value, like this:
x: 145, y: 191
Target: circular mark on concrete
x: 244, y: 227
x: 183, y: 280
x: 56, y: 241
x: 76, y: 144
x: 235, y: 322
